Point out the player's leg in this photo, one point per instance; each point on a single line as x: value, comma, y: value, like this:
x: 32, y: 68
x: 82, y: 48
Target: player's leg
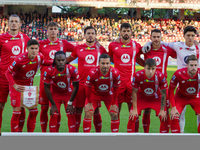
x: 97, y: 119
x: 113, y: 111
x: 1, y: 113
x: 198, y: 122
x: 31, y: 121
x: 22, y: 119
x: 182, y: 120
x: 146, y: 120
x: 53, y: 121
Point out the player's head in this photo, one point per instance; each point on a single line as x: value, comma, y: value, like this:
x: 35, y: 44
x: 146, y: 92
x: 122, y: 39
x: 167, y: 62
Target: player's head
x: 192, y: 64
x: 104, y: 63
x: 90, y: 34
x: 32, y: 48
x: 14, y: 23
x: 189, y: 35
x: 125, y: 31
x: 150, y: 67
x: 60, y: 60
x: 52, y: 29
x: 156, y: 37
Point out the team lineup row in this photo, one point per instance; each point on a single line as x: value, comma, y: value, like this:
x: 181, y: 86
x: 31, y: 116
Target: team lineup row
x: 96, y: 80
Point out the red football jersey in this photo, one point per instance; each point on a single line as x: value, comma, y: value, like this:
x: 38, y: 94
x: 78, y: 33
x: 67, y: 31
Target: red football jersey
x: 103, y: 84
x: 149, y: 87
x: 10, y: 48
x: 23, y: 69
x: 187, y: 86
x: 124, y: 57
x: 48, y: 49
x: 161, y: 56
x: 87, y: 59
x: 61, y: 80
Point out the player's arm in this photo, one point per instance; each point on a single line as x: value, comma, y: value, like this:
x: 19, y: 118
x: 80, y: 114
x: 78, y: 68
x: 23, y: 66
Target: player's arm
x: 134, y: 112
x: 73, y: 95
x: 162, y: 112
x: 140, y: 61
x: 49, y: 95
x: 47, y: 62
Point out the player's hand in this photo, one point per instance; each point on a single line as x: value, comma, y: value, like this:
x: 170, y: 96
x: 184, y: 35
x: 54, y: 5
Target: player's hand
x: 146, y: 48
x: 114, y: 108
x: 70, y: 108
x: 174, y: 112
x: 132, y: 114
x: 88, y: 107
x: 19, y: 88
x: 53, y: 109
x: 117, y: 39
x: 163, y: 115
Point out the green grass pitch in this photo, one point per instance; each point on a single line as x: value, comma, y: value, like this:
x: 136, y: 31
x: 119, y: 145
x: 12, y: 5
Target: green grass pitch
x: 190, y: 126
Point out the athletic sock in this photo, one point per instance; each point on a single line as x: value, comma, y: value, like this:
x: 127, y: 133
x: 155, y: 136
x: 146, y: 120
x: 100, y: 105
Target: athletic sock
x: 146, y: 122
x: 175, y: 128
x: 114, y: 125
x: 44, y: 117
x: 163, y: 126
x: 53, y: 122
x: 21, y: 120
x: 86, y: 125
x: 31, y: 121
x: 131, y: 125
x: 97, y: 122
x: 78, y: 121
x: 137, y: 125
x: 15, y: 121
x: 58, y: 123
x: 1, y: 112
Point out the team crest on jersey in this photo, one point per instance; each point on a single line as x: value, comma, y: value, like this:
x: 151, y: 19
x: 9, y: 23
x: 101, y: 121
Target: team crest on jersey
x: 89, y: 59
x: 30, y: 73
x: 174, y: 77
x: 103, y: 87
x: 45, y: 74
x: 149, y: 91
x: 13, y: 64
x: 191, y: 90
x: 16, y: 50
x: 185, y: 59
x: 88, y: 78
x: 52, y: 53
x: 158, y: 60
x: 125, y: 58
x: 61, y: 85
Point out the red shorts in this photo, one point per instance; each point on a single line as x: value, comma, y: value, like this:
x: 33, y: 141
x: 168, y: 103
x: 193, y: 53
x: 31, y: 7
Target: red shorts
x: 4, y: 88
x: 182, y: 101
x: 96, y: 101
x: 43, y: 99
x: 144, y: 103
x: 125, y: 92
x: 81, y: 96
x: 15, y: 97
x: 61, y: 97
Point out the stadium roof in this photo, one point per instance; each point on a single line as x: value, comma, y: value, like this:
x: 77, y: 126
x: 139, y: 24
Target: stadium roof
x: 101, y: 4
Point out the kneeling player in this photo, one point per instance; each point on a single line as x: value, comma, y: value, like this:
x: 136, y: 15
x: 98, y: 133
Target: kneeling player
x: 187, y: 92
x: 61, y: 76
x: 149, y: 91
x: 102, y: 84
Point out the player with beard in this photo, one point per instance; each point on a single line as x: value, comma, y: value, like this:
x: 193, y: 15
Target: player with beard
x: 88, y: 56
x: 12, y: 44
x: 125, y: 54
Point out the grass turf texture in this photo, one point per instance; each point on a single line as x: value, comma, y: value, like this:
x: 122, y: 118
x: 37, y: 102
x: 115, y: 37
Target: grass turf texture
x: 190, y: 126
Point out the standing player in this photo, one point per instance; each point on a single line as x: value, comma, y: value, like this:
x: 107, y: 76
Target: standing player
x: 61, y: 76
x: 183, y: 50
x: 48, y: 47
x: 102, y: 84
x: 187, y: 92
x: 160, y: 53
x: 20, y: 73
x: 12, y: 44
x: 124, y: 55
x: 88, y: 56
x: 149, y: 91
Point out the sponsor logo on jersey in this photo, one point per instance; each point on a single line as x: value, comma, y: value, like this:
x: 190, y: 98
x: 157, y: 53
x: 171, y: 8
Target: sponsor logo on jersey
x: 148, y: 80
x: 191, y: 90
x: 89, y: 48
x: 30, y: 63
x: 14, y: 38
x: 88, y: 78
x: 16, y: 50
x: 52, y: 53
x: 59, y: 74
x: 51, y: 43
x: 189, y: 80
x: 89, y: 59
x: 158, y: 60
x: 126, y: 46
x: 103, y: 87
x: 148, y: 91
x: 61, y: 85
x: 125, y: 58
x: 30, y: 73
x: 102, y: 77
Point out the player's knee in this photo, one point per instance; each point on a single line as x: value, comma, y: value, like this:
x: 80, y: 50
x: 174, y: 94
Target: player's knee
x: 89, y: 114
x: 2, y: 105
x: 114, y: 115
x: 79, y: 110
x: 147, y: 111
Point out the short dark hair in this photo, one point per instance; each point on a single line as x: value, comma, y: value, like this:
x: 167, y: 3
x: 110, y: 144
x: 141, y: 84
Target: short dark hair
x: 32, y: 42
x: 155, y: 30
x: 57, y: 53
x: 189, y: 28
x: 191, y: 58
x: 104, y: 55
x: 150, y: 62
x: 125, y: 25
x: 89, y: 27
x: 52, y: 24
x: 14, y: 15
